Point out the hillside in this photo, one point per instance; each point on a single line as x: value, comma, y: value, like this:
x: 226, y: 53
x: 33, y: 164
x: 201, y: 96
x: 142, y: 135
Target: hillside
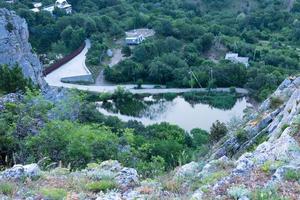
x: 261, y: 160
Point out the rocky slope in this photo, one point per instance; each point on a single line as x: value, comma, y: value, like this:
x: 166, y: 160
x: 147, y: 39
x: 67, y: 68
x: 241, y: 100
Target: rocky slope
x: 15, y: 48
x: 263, y: 163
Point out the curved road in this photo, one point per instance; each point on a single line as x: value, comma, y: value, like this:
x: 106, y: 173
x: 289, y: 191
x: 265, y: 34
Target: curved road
x: 76, y: 67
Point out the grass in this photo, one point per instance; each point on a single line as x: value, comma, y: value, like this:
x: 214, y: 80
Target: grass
x: 266, y: 194
x: 103, y: 185
x: 292, y: 175
x: 270, y: 166
x: 172, y: 186
x: 6, y: 189
x: 210, y: 179
x: 220, y: 100
x: 54, y: 193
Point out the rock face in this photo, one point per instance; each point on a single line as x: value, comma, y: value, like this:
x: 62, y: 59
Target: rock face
x: 20, y: 171
x: 15, y: 48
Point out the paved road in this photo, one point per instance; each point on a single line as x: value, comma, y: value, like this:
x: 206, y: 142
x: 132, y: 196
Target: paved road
x: 76, y: 66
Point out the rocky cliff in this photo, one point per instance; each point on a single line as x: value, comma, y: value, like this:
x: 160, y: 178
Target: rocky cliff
x: 15, y: 48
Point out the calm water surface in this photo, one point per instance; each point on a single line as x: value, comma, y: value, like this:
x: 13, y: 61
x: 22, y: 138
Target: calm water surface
x: 180, y: 112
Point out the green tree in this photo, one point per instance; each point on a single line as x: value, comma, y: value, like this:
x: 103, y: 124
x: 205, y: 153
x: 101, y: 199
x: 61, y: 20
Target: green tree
x: 218, y: 130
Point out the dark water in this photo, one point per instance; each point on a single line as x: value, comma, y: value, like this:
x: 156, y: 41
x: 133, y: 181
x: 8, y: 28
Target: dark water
x: 182, y: 113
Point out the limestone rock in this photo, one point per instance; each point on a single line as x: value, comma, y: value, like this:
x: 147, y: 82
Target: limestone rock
x: 19, y: 171
x: 111, y: 165
x: 15, y: 48
x: 127, y: 178
x: 109, y: 196
x: 187, y: 170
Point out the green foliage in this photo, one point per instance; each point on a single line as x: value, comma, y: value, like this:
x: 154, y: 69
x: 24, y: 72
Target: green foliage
x: 103, y: 185
x: 284, y: 126
x: 218, y: 130
x: 53, y: 193
x: 126, y: 51
x: 6, y: 189
x: 266, y: 194
x: 153, y: 168
x: 275, y: 102
x: 241, y: 135
x: 218, y: 100
x: 73, y: 143
x: 199, y: 137
x: 12, y: 79
x: 237, y: 192
x: 9, y: 27
x: 292, y: 175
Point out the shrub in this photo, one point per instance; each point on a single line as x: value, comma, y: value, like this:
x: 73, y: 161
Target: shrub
x: 292, y: 175
x: 284, y: 126
x: 237, y: 192
x: 266, y: 194
x: 126, y: 51
x: 6, y: 188
x: 218, y: 130
x: 241, y: 135
x: 275, y: 102
x: 54, y: 193
x: 172, y: 185
x: 103, y: 185
x: 200, y: 137
x: 9, y: 26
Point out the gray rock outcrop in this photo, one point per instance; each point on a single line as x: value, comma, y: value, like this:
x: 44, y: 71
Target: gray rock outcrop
x: 15, y: 48
x: 20, y: 171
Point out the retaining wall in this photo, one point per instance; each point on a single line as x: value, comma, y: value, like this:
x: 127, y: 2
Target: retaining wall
x: 63, y: 61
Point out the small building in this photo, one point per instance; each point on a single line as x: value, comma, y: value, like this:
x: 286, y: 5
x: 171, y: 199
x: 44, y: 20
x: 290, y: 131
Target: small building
x: 234, y: 57
x: 61, y: 4
x: 134, y: 40
x: 36, y: 7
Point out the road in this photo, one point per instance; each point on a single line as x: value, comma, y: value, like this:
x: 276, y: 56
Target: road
x: 76, y: 66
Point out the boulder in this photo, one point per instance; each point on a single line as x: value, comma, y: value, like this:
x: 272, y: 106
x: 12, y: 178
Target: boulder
x: 127, y: 178
x: 188, y: 170
x: 109, y: 196
x: 19, y: 171
x: 111, y: 165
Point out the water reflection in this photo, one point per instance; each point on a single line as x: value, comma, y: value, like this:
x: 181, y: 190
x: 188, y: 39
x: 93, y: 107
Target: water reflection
x: 186, y: 115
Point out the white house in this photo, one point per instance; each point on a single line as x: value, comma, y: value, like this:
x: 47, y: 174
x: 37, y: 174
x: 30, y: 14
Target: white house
x: 134, y: 40
x: 36, y: 7
x: 61, y: 4
x: 234, y: 57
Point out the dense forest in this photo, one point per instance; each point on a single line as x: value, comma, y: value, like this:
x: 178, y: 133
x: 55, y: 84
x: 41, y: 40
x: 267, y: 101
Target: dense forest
x: 191, y: 36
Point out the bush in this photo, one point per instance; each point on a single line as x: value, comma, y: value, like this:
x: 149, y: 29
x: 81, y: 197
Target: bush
x: 9, y: 26
x: 200, y: 137
x: 6, y: 189
x: 54, y: 193
x: 126, y: 51
x: 103, y: 185
x: 241, y: 135
x: 237, y: 192
x: 275, y: 102
x: 218, y: 130
x: 292, y: 175
x: 266, y: 194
